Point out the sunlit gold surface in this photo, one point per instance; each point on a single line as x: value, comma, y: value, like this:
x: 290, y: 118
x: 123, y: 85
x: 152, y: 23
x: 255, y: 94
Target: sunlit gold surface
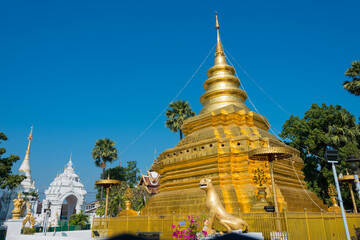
x: 332, y: 193
x: 107, y: 182
x: 216, y: 145
x: 321, y: 226
x: 217, y: 211
x: 18, y: 203
x: 28, y: 217
x: 222, y: 87
x: 269, y: 153
x: 127, y: 211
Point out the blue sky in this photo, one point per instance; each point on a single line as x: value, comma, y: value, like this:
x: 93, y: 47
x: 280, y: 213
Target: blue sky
x: 83, y: 70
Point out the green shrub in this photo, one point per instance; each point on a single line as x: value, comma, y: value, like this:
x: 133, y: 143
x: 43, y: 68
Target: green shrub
x: 28, y: 231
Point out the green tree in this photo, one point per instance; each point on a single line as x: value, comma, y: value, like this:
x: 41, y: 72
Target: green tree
x: 102, y: 153
x: 7, y: 179
x: 323, y: 126
x: 79, y: 219
x: 179, y: 112
x: 129, y: 177
x: 137, y: 195
x: 131, y: 173
x: 353, y: 73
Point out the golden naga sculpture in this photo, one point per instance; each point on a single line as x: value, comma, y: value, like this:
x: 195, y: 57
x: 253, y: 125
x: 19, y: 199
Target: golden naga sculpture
x: 217, y: 210
x: 18, y: 203
x: 28, y: 217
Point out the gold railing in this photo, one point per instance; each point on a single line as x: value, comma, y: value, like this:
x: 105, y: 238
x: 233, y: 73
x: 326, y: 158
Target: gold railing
x: 288, y: 226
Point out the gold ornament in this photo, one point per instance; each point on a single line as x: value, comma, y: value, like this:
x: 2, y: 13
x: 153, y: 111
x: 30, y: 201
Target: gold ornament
x: 18, y: 203
x: 218, y: 211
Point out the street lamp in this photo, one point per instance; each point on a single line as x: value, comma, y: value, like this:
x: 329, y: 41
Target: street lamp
x: 331, y: 155
x: 354, y: 165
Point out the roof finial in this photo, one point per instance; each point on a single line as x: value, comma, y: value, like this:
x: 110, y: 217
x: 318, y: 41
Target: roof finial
x: 70, y: 164
x: 219, y: 48
x: 31, y: 135
x: 217, y: 22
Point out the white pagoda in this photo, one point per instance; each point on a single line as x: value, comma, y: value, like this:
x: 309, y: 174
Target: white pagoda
x: 27, y: 185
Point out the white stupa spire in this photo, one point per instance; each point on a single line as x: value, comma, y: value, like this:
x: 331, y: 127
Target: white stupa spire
x: 25, y: 166
x: 27, y: 184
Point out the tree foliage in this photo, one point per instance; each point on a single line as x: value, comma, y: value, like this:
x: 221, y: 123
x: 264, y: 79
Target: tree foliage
x: 129, y: 175
x: 353, y: 72
x: 104, y: 152
x: 323, y: 126
x: 128, y: 190
x: 79, y: 219
x: 7, y: 179
x: 179, y: 112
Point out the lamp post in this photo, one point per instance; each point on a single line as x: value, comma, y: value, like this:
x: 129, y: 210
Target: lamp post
x: 331, y: 155
x: 354, y: 165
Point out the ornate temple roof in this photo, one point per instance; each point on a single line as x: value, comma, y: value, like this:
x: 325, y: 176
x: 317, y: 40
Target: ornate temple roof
x: 66, y: 181
x: 151, y: 181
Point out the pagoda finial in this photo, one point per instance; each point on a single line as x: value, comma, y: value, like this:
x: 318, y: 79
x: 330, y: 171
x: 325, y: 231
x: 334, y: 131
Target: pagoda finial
x: 219, y: 48
x: 70, y: 164
x: 25, y: 166
x: 30, y: 137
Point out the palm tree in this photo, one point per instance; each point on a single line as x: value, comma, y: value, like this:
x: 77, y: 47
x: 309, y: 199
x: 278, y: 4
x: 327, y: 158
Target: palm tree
x: 343, y: 130
x: 180, y: 111
x: 353, y: 72
x: 79, y: 219
x: 103, y: 152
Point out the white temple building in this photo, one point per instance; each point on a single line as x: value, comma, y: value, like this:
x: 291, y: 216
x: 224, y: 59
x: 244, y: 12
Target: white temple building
x: 27, y: 185
x: 66, y: 187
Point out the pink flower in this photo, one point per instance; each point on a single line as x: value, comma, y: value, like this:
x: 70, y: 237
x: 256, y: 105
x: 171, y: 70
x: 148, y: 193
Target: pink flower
x: 173, y: 226
x: 205, y: 233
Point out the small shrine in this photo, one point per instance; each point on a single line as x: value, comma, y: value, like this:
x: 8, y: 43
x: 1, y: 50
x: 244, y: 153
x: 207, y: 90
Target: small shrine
x: 68, y: 188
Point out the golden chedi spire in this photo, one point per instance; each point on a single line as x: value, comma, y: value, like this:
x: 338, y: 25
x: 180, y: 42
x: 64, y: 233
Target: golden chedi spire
x: 222, y: 87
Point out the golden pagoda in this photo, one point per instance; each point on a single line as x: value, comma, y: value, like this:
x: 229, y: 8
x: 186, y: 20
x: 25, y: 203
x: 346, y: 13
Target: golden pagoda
x: 216, y: 145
